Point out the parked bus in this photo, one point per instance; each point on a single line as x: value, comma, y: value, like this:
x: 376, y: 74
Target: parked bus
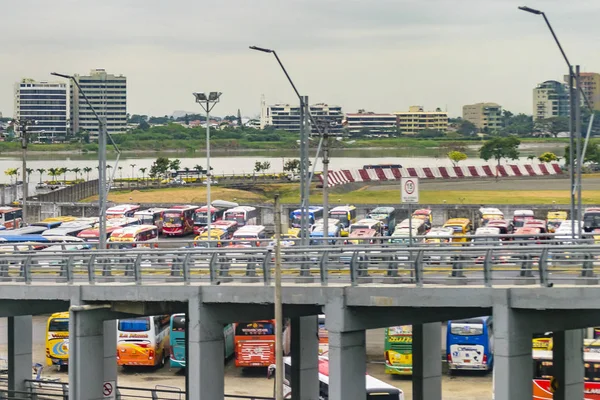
x: 229, y: 227
x: 398, y: 350
x: 124, y: 238
x: 151, y: 216
x: 250, y: 235
x: 216, y: 238
x: 521, y: 216
x: 323, y: 336
x: 470, y: 344
x: 255, y: 343
x: 489, y: 214
x: 177, y: 341
x: 143, y: 341
x: 123, y: 222
x: 554, y: 219
x: 122, y: 210
x: 363, y: 236
x: 367, y: 223
x: 66, y: 230
x: 26, y: 230
x: 460, y: 227
x: 376, y: 389
x: 57, y: 340
x: 591, y: 219
x: 93, y: 234
x: 345, y: 214
x: 11, y: 217
x: 314, y: 213
x: 201, y: 216
x: 387, y: 216
x: 243, y: 215
x: 179, y: 220
x: 425, y: 214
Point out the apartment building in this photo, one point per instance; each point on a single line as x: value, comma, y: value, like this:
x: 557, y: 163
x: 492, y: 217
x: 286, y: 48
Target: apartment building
x: 485, y: 116
x: 590, y: 85
x: 375, y: 123
x: 107, y: 94
x: 44, y: 104
x: 287, y: 117
x: 417, y: 119
x: 550, y: 99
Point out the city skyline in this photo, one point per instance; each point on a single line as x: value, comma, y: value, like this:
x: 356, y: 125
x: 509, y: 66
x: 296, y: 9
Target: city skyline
x: 380, y: 56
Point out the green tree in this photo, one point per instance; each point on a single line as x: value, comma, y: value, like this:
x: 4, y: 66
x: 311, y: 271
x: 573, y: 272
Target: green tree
x: 592, y: 154
x: 29, y: 172
x: 552, y: 126
x: 466, y: 128
x: 87, y: 171
x: 175, y: 164
x: 41, y: 172
x: 548, y: 157
x: 54, y: 172
x: 499, y: 148
x: 77, y: 171
x: 520, y: 124
x: 11, y: 173
x: 160, y: 167
x: 261, y: 166
x: 292, y: 166
x: 143, y: 125
x: 456, y: 157
x: 143, y: 171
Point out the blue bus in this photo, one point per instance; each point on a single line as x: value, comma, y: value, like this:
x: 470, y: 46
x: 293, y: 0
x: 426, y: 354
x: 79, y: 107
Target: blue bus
x: 177, y: 340
x: 314, y: 213
x: 23, y: 238
x: 470, y: 344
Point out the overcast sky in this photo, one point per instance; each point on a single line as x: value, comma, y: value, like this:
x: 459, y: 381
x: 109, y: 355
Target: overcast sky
x: 380, y: 55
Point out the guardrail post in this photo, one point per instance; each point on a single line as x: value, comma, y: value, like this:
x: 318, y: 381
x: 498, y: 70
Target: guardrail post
x: 137, y: 270
x: 65, y: 390
x: 92, y: 269
x: 526, y: 266
x: 186, y: 268
x: 27, y: 269
x: 212, y: 266
x: 106, y: 267
x: 66, y: 271
x: 353, y: 268
x: 543, y: 268
x: 4, y: 269
x: 323, y: 267
x: 266, y: 267
x: 419, y: 268
x: 487, y: 268
x: 457, y: 267
x: 251, y: 266
x: 587, y: 270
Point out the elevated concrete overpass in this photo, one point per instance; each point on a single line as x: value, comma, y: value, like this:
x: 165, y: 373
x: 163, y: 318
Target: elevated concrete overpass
x: 546, y: 296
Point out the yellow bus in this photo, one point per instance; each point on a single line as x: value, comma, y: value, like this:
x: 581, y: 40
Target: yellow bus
x: 57, y: 340
x: 460, y: 226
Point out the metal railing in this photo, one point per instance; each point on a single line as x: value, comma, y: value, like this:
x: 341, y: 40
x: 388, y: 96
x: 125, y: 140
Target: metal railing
x: 456, y: 263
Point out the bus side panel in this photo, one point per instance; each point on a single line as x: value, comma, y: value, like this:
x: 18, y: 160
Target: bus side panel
x: 177, y: 340
x: 57, y: 348
x: 398, y: 351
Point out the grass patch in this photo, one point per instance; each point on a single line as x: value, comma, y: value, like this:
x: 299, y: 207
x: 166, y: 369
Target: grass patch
x: 191, y: 195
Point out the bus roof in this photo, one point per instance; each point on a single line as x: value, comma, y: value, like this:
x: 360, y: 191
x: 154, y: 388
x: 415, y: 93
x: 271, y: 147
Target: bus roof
x: 458, y: 221
x: 95, y: 232
x: 487, y: 231
x: 121, y: 208
x: 423, y: 211
x: 249, y: 229
x: 150, y: 211
x: 490, y: 211
x: 131, y: 230
x: 65, y: 218
x: 242, y: 208
x: 363, y: 232
x: 474, y: 320
x: 526, y: 230
x: 557, y: 215
x: 382, y: 210
x: 523, y: 213
x: 342, y: 209
x: 8, y: 209
x: 310, y: 209
x: 62, y: 314
x: 181, y: 208
x: 22, y: 238
x: 64, y: 231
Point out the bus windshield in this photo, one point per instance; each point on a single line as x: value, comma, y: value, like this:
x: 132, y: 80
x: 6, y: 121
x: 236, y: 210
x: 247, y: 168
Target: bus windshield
x: 342, y: 216
x: 134, y: 325
x: 59, y: 325
x: 146, y: 220
x: 178, y: 323
x: 463, y: 329
x: 173, y: 219
x: 238, y: 217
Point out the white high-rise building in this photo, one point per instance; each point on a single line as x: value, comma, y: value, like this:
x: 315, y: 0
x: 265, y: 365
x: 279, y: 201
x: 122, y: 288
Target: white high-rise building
x: 287, y: 117
x: 44, y: 105
x: 108, y: 95
x: 550, y: 99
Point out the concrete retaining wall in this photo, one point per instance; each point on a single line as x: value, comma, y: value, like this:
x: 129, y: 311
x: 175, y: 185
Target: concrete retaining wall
x: 72, y: 193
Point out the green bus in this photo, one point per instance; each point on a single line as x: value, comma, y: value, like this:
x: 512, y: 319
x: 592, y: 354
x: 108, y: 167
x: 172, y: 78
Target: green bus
x: 398, y: 350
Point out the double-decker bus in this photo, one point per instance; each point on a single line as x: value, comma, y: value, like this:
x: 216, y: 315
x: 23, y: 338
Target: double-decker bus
x: 398, y: 350
x: 57, y: 340
x: 243, y: 215
x: 11, y: 217
x: 179, y: 220
x: 177, y: 341
x: 470, y: 344
x: 143, y: 341
x: 255, y: 343
x: 314, y: 213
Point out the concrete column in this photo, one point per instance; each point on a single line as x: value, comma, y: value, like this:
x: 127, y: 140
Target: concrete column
x: 86, y: 355
x: 304, y: 351
x: 110, y: 351
x: 427, y: 362
x: 568, y: 366
x: 347, y: 365
x: 19, y: 352
x: 512, y: 351
x: 205, y: 365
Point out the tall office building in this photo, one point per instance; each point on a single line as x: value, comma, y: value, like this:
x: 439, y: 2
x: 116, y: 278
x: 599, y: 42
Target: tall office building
x: 484, y: 115
x: 107, y: 94
x: 374, y: 123
x: 287, y: 117
x: 590, y: 84
x: 44, y: 104
x: 550, y: 99
x: 416, y: 119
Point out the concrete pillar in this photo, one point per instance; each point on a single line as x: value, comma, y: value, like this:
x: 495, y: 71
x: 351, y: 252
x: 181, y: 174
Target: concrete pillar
x: 427, y: 362
x: 19, y: 352
x: 205, y: 365
x: 512, y: 352
x: 304, y: 351
x: 110, y: 351
x: 86, y: 355
x: 568, y: 366
x: 347, y: 365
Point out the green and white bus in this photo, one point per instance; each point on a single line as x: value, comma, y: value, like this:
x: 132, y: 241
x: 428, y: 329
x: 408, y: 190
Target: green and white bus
x: 398, y: 350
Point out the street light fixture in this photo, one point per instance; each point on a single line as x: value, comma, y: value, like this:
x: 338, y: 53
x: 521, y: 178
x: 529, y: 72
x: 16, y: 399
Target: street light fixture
x: 208, y: 103
x: 23, y: 125
x: 103, y: 135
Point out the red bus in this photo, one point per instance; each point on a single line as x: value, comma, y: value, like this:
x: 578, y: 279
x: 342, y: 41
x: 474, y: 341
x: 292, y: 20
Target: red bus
x: 255, y: 343
x: 200, y: 217
x: 11, y: 218
x: 179, y: 220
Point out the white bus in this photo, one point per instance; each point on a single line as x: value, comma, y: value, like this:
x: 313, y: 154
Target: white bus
x: 143, y: 341
x: 243, y: 215
x: 121, y: 211
x: 250, y: 235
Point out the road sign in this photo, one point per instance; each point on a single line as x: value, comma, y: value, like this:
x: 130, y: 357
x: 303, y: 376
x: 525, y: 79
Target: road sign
x: 108, y: 390
x: 410, y: 190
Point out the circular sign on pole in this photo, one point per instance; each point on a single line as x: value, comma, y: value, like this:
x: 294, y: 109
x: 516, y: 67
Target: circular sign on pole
x: 409, y: 186
x: 409, y: 190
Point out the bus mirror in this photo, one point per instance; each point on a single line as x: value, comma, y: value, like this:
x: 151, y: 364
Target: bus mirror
x: 271, y: 371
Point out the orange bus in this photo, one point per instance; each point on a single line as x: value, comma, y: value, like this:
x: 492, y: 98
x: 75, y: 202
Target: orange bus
x: 143, y: 341
x: 179, y: 220
x: 255, y: 343
x: 11, y: 218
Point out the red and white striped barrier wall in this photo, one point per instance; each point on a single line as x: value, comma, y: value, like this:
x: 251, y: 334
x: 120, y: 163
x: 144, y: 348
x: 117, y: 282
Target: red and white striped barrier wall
x: 341, y: 177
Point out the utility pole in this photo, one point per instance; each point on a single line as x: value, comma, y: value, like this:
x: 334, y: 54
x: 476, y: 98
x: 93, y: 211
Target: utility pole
x: 304, y: 168
x: 279, y: 367
x: 572, y: 111
x: 325, y: 161
x: 580, y: 157
x: 24, y: 142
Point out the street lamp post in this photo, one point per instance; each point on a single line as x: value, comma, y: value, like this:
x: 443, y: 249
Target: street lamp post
x: 574, y: 127
x: 208, y: 103
x: 23, y: 124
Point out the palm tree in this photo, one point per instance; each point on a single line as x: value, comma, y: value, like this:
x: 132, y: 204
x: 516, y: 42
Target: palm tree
x: 198, y: 168
x: 64, y: 171
x: 11, y: 172
x: 132, y: 169
x: 77, y: 170
x: 120, y: 172
x: 29, y: 172
x: 54, y: 172
x: 143, y: 171
x: 87, y: 170
x: 41, y: 171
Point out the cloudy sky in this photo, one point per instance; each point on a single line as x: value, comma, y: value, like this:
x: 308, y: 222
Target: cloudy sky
x: 381, y: 55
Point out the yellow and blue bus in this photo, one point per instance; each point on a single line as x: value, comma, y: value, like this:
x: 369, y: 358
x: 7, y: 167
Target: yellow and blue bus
x: 177, y: 341
x: 57, y: 340
x: 346, y: 215
x: 470, y: 344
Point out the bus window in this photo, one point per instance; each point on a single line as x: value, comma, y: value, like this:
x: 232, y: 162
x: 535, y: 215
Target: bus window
x: 469, y: 344
x: 542, y: 369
